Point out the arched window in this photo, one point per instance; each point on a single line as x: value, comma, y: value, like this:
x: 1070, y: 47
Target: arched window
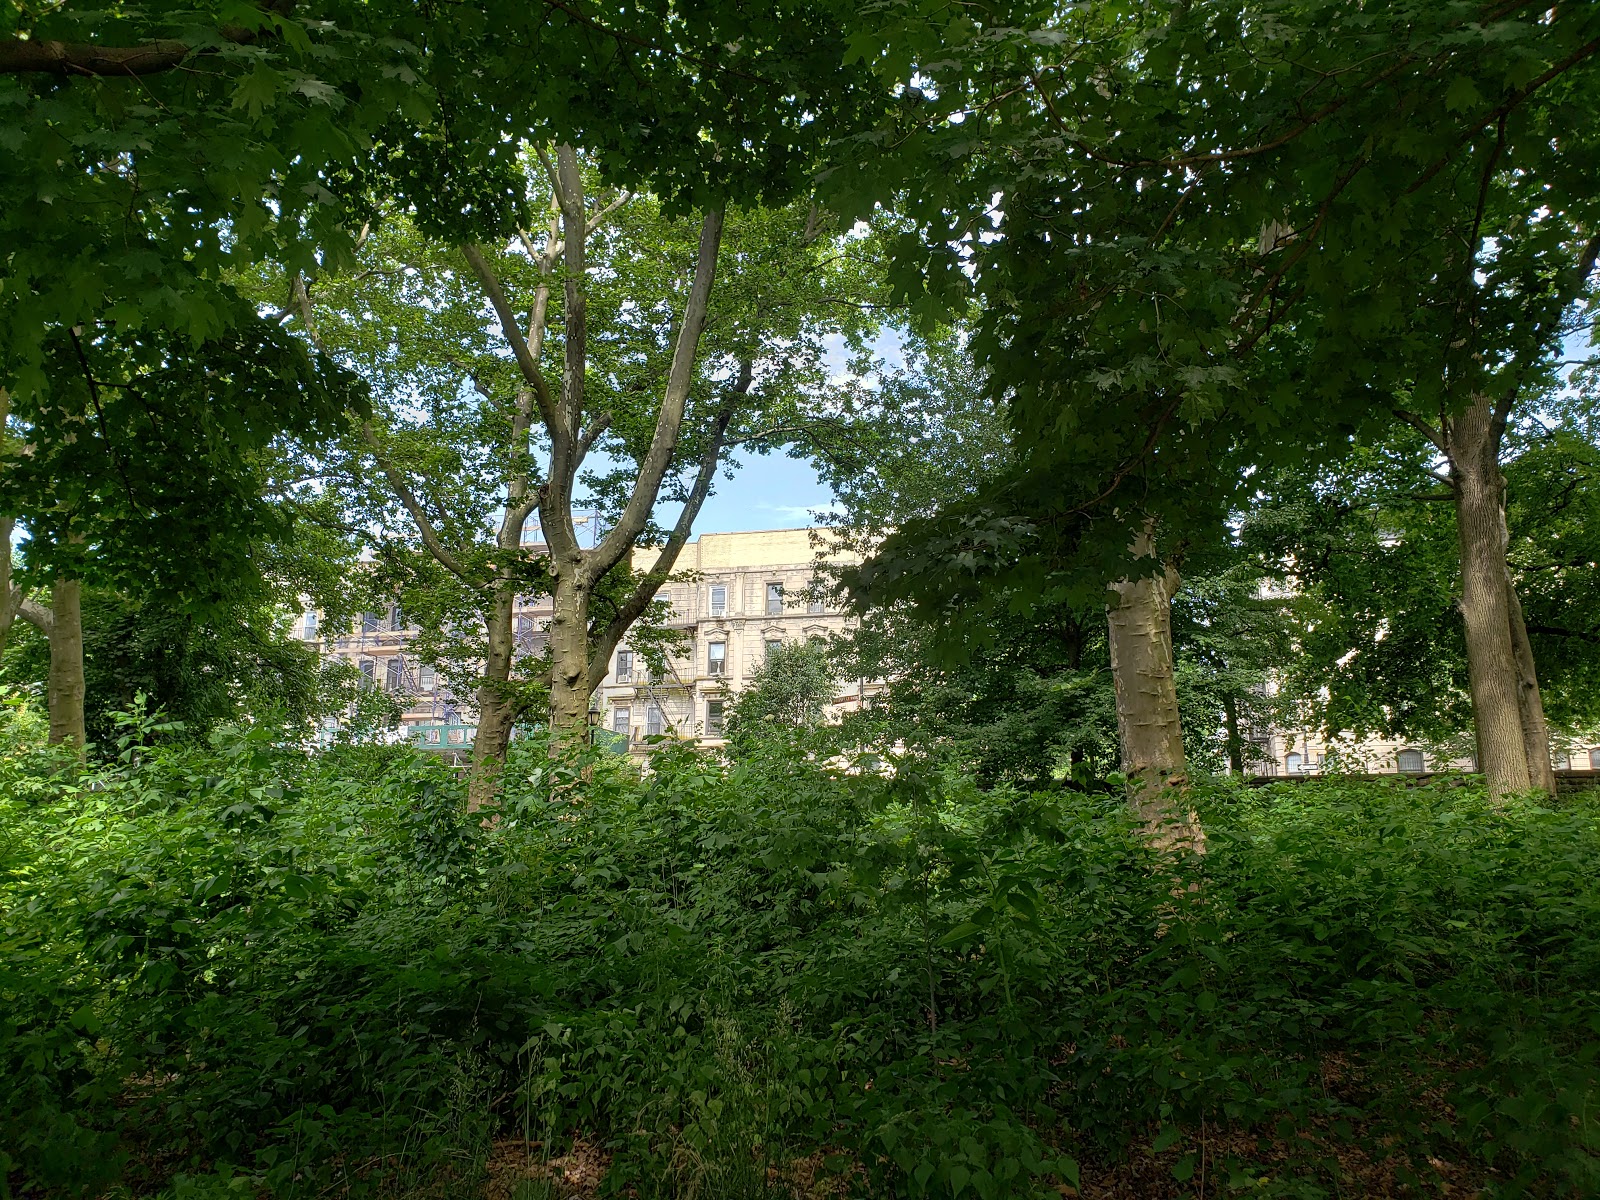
x: 1594, y: 759
x: 1291, y: 763
x: 1410, y: 762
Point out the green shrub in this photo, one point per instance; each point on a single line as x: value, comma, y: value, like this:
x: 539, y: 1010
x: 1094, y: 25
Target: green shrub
x: 238, y: 962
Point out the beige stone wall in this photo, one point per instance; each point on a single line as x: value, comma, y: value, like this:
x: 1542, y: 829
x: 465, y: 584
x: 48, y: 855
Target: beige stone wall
x: 743, y: 565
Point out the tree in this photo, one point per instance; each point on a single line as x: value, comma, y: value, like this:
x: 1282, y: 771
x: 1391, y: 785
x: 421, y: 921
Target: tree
x: 159, y: 150
x: 1229, y: 234
x: 787, y: 694
x: 230, y: 665
x: 1368, y: 541
x: 488, y: 423
x: 140, y: 468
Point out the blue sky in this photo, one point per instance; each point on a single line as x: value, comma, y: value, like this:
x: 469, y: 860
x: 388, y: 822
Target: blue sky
x: 768, y: 492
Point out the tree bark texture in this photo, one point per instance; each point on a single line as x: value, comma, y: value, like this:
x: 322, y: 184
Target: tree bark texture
x: 571, y: 667
x: 496, y: 707
x: 65, y: 687
x: 1140, y: 622
x: 1535, y: 729
x: 1513, y: 744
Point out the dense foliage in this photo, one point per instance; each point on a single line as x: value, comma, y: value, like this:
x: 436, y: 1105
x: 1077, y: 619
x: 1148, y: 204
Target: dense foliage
x: 318, y: 975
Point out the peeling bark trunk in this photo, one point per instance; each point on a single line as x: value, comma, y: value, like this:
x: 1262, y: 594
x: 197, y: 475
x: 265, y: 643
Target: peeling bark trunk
x: 570, y: 662
x: 65, y: 686
x: 1471, y: 445
x: 1140, y: 623
x: 496, y: 709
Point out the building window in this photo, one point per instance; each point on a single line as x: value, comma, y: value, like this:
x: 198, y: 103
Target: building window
x: 427, y: 678
x: 814, y: 597
x: 1409, y: 762
x: 311, y: 625
x: 1594, y: 759
x: 652, y: 721
x: 369, y: 671
x: 713, y: 718
x: 369, y: 622
x: 774, y: 599
x: 719, y: 600
x: 619, y: 720
x: 433, y: 736
x: 773, y: 644
x: 524, y: 635
x: 397, y: 619
x: 624, y: 666
x: 394, y: 673
x: 1292, y: 763
x: 716, y: 658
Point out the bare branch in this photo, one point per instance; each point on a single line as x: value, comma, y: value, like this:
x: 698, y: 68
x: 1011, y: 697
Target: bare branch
x: 1434, y: 436
x: 669, y: 421
x: 37, y: 615
x: 549, y: 172
x: 599, y: 425
x: 513, y: 334
x: 599, y: 219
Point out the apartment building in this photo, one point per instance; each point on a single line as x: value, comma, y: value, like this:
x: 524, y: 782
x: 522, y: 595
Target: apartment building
x: 743, y: 593
x: 378, y: 647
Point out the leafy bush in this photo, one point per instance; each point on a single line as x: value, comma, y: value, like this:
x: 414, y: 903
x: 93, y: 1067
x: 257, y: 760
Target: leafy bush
x: 236, y: 966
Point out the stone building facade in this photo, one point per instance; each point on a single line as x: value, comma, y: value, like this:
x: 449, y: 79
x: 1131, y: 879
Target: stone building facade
x: 742, y: 594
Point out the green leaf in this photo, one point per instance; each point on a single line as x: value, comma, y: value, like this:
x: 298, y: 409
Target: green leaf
x: 1462, y: 94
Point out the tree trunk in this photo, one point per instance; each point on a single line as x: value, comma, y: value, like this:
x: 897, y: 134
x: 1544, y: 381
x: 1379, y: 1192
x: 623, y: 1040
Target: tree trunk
x: 1230, y: 717
x: 1140, y: 622
x: 569, y: 658
x: 11, y: 598
x: 65, y: 688
x: 496, y: 709
x: 1472, y: 447
x: 1535, y: 729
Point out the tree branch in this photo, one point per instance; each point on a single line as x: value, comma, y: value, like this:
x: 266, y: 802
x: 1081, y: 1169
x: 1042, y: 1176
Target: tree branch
x: 633, y: 607
x: 669, y: 421
x: 419, y: 515
x: 599, y: 219
x: 31, y: 56
x: 1435, y: 438
x: 37, y: 615
x: 599, y: 425
x: 528, y: 365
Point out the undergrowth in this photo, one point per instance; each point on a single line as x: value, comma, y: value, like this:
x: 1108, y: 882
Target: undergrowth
x: 240, y: 970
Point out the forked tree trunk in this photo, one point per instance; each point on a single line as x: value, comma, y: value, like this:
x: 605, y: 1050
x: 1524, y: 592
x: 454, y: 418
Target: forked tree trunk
x: 1140, y: 623
x: 496, y: 708
x: 65, y: 686
x: 1513, y: 746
